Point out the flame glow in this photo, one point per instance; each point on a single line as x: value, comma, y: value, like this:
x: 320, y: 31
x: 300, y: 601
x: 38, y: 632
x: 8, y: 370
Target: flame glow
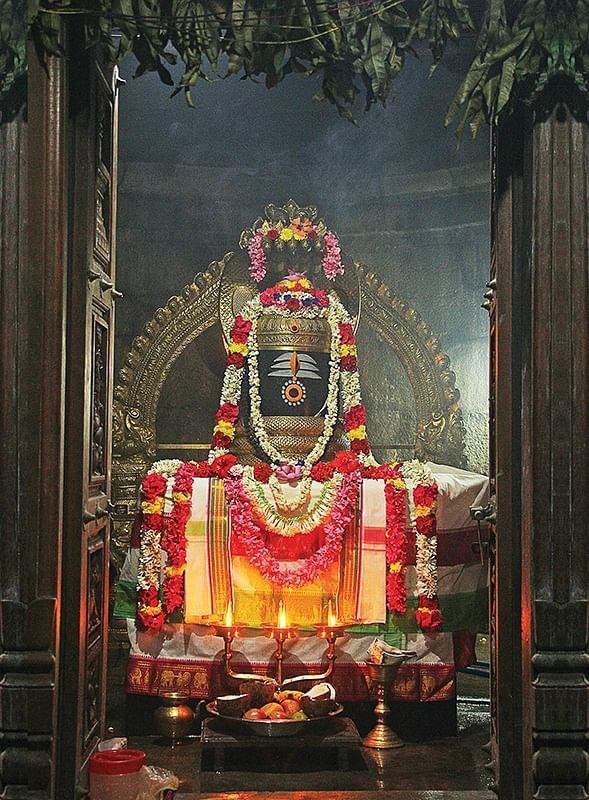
x: 229, y: 614
x: 282, y: 622
x: 331, y: 617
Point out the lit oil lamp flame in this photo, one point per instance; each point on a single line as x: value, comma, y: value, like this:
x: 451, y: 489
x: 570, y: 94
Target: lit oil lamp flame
x: 229, y: 614
x: 282, y: 622
x: 331, y: 617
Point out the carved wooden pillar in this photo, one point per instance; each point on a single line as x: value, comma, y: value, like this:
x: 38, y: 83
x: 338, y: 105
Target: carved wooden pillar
x: 542, y: 440
x: 32, y: 333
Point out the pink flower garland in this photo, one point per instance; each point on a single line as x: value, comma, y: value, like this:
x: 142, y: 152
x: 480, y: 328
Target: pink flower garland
x: 332, y: 256
x: 257, y: 256
x: 249, y: 533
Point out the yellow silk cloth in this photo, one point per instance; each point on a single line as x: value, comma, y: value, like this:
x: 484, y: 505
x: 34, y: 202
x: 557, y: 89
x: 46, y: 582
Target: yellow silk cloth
x: 354, y: 584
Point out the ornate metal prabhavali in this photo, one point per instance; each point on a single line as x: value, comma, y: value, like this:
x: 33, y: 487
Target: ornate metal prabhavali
x: 439, y: 434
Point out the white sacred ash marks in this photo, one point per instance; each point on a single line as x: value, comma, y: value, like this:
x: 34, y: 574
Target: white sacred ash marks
x: 294, y: 366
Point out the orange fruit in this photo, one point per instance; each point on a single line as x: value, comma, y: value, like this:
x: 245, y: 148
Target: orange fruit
x: 279, y: 714
x: 270, y: 707
x: 254, y: 713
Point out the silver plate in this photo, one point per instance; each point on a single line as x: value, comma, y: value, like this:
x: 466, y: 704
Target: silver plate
x: 274, y: 727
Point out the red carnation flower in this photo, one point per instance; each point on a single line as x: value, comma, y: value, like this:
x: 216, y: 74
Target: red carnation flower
x: 322, y: 298
x: 345, y: 461
x: 426, y: 525
x: 241, y: 329
x: 235, y: 359
x: 149, y: 597
x: 346, y: 333
x: 428, y: 615
x: 349, y: 363
x: 154, y: 485
x: 267, y: 297
x: 360, y: 446
x: 354, y: 417
x: 202, y: 470
x: 150, y: 622
x: 222, y: 464
x: 228, y: 412
x: 425, y: 495
x: 222, y: 441
x: 293, y: 304
x: 262, y: 471
x: 322, y: 471
x: 273, y: 234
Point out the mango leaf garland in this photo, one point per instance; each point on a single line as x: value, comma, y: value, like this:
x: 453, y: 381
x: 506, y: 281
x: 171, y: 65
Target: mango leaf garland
x: 355, y: 46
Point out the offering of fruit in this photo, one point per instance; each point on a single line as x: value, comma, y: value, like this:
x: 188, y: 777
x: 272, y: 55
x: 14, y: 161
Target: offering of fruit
x: 270, y: 707
x: 290, y: 706
x: 319, y: 701
x: 233, y: 705
x: 278, y: 714
x: 299, y: 715
x: 259, y: 692
x: 254, y: 713
x: 288, y: 694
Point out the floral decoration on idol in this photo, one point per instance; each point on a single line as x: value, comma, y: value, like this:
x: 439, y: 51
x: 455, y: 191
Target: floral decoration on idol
x: 295, y: 231
x: 423, y: 503
x: 292, y: 296
x: 260, y: 528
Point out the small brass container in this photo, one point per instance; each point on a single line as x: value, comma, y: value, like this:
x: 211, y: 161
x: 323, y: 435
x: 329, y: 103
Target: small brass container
x: 174, y: 718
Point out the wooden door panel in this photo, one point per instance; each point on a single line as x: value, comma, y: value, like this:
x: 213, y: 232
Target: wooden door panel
x: 89, y: 377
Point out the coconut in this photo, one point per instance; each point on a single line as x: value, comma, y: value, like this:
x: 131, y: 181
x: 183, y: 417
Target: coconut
x: 319, y: 701
x: 233, y: 705
x: 259, y: 692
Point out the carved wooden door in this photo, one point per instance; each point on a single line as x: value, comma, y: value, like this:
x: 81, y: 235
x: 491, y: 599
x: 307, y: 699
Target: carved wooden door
x: 89, y: 374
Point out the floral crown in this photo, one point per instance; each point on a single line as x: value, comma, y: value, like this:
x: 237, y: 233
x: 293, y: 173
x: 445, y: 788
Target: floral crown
x: 291, y: 229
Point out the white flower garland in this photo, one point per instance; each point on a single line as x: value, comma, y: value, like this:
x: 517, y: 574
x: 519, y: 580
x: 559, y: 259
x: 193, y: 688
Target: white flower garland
x: 335, y: 313
x: 291, y: 525
x: 415, y: 473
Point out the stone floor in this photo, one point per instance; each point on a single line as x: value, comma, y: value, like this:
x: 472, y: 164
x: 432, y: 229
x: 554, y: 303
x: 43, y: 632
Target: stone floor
x: 453, y: 767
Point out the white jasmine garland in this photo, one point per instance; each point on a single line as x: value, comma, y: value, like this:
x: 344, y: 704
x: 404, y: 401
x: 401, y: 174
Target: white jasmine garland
x: 416, y: 473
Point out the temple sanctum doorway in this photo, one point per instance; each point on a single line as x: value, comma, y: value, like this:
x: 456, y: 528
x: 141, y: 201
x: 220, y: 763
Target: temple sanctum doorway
x: 294, y: 413
x: 415, y: 253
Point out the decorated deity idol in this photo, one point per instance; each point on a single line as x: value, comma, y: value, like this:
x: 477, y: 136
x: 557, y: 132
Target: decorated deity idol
x: 291, y: 509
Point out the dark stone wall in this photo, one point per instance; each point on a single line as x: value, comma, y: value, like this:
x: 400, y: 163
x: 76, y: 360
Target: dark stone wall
x: 401, y: 196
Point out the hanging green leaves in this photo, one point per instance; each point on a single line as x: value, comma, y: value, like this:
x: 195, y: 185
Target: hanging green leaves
x: 353, y: 45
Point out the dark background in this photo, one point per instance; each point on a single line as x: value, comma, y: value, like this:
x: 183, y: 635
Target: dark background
x: 401, y: 196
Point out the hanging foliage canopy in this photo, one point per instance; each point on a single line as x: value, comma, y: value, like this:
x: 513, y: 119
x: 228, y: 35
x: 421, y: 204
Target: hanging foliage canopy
x: 354, y: 45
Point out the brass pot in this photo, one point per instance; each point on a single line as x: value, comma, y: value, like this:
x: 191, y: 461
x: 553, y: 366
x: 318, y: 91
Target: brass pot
x: 174, y: 718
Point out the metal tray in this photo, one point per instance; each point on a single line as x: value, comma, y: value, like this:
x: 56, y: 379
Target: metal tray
x: 274, y: 727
